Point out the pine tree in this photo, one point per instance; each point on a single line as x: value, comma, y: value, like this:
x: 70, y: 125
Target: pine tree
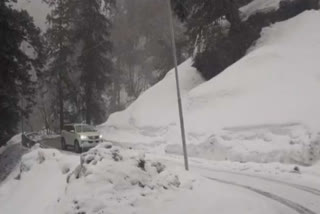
x: 92, y: 30
x: 59, y: 40
x: 141, y: 33
x: 18, y: 68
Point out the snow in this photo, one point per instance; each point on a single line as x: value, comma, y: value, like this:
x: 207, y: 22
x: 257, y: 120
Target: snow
x: 259, y: 6
x: 117, y: 181
x: 260, y: 109
x: 164, y: 99
x: 14, y: 140
x: 108, y: 179
x: 39, y: 182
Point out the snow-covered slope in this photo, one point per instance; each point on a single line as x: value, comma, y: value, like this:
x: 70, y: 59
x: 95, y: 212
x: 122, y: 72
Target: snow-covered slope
x: 153, y: 113
x: 263, y: 108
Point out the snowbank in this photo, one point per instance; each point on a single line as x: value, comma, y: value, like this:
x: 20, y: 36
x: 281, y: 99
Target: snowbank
x: 117, y: 181
x: 14, y: 140
x: 38, y: 182
x: 164, y: 99
x: 106, y: 179
x: 273, y: 88
x: 153, y: 113
x: 289, y: 143
x: 112, y: 180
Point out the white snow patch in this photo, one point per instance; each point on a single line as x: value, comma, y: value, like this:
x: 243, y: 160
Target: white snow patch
x: 259, y: 6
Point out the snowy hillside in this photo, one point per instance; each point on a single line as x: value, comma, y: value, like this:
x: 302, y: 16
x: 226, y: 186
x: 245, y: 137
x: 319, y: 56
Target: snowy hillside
x: 263, y: 108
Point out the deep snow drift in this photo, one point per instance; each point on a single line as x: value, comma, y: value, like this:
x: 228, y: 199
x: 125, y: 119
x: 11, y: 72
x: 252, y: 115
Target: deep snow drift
x: 263, y: 108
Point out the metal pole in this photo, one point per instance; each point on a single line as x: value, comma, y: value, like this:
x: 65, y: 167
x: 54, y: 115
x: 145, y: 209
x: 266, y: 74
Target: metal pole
x: 174, y: 53
x: 22, y: 115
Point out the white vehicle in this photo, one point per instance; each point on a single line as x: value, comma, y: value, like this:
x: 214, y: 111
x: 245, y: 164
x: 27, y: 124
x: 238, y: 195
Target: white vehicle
x: 80, y: 136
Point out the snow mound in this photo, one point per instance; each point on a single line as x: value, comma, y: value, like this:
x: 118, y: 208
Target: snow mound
x: 14, y: 140
x: 275, y: 85
x: 109, y: 179
x: 38, y: 156
x: 105, y: 179
x: 38, y: 183
x: 288, y: 143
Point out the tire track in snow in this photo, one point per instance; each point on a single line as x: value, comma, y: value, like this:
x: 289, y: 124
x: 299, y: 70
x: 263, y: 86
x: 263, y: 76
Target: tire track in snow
x: 298, y: 208
x: 296, y: 186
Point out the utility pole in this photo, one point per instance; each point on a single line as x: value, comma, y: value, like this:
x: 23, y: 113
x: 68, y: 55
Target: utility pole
x: 174, y: 54
x: 22, y: 115
x: 60, y: 89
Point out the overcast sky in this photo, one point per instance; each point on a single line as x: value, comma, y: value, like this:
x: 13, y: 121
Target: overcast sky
x: 37, y: 9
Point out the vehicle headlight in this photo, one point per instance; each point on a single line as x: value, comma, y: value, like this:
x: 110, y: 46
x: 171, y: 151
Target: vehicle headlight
x: 83, y: 137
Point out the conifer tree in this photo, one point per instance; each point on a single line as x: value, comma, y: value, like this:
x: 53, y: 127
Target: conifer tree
x: 92, y: 30
x: 21, y: 60
x: 59, y: 41
x: 221, y: 36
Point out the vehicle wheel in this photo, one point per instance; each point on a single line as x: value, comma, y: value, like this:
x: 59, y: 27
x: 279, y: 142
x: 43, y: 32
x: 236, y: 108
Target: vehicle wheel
x: 63, y: 144
x: 77, y: 148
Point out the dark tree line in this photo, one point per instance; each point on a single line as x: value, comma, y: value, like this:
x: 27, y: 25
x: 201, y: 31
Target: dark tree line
x: 80, y: 58
x: 18, y: 70
x: 141, y: 47
x: 68, y: 68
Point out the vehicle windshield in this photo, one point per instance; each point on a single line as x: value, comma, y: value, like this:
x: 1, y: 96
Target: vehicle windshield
x: 85, y: 128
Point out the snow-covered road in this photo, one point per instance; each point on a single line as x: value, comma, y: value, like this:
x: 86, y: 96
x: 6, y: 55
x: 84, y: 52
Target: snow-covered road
x: 303, y: 201
x: 301, y: 194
